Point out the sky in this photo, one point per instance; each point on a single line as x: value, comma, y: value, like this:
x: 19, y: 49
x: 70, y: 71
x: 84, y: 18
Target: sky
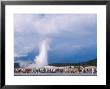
x: 70, y: 37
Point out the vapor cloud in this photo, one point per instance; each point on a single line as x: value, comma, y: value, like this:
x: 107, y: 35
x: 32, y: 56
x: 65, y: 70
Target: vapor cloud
x: 64, y: 31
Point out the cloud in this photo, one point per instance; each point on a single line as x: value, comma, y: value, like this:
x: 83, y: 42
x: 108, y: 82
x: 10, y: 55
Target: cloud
x: 64, y: 31
x: 52, y: 23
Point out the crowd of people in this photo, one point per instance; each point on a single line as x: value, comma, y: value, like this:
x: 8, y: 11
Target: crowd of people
x: 54, y: 69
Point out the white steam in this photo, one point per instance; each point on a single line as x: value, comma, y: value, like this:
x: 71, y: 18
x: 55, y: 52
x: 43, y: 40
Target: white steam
x: 42, y: 59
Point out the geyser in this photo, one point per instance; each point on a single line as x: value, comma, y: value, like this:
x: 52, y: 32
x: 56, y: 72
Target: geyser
x: 42, y: 59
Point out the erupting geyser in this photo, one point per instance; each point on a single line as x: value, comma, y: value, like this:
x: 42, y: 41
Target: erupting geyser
x: 41, y: 59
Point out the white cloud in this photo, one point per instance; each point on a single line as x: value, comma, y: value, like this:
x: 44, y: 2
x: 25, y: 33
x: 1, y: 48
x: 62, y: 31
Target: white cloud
x: 49, y: 24
x: 31, y: 29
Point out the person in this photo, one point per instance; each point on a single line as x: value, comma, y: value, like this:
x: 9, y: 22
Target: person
x: 92, y: 70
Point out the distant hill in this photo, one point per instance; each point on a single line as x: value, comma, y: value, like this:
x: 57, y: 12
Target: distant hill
x: 92, y: 62
x: 16, y: 65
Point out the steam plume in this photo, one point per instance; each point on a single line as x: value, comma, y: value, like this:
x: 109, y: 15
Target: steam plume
x: 42, y: 58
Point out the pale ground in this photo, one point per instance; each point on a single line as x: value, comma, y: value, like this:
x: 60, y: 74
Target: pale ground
x: 55, y: 74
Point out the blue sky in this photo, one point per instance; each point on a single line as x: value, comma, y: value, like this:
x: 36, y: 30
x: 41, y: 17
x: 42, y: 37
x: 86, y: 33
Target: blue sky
x: 71, y: 37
